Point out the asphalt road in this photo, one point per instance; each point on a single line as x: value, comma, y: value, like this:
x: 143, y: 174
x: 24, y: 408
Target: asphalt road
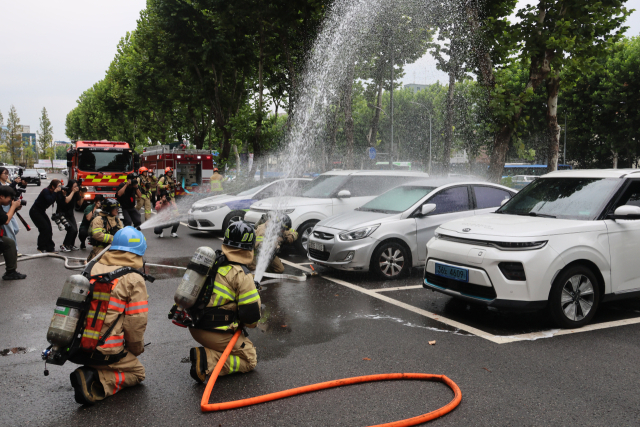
x: 329, y: 327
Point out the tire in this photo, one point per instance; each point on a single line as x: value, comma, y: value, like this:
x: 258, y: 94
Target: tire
x: 391, y: 261
x: 232, y: 217
x: 303, y: 236
x: 574, y: 297
x: 39, y: 183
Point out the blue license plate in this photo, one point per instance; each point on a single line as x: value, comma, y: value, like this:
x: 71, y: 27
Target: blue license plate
x: 455, y: 273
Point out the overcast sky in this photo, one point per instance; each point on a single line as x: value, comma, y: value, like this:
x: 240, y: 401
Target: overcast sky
x: 52, y: 51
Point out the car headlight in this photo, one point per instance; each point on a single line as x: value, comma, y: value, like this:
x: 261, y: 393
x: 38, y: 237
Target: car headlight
x: 91, y: 189
x: 360, y: 233
x: 288, y: 211
x: 211, y: 208
x: 520, y: 246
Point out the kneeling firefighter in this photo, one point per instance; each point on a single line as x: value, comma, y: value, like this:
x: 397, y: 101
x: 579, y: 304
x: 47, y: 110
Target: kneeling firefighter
x: 285, y: 235
x: 104, y: 226
x: 217, y: 296
x: 100, y: 320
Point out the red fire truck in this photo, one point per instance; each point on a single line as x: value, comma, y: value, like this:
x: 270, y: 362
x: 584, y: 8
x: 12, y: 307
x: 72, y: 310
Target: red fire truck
x: 192, y: 168
x: 102, y: 165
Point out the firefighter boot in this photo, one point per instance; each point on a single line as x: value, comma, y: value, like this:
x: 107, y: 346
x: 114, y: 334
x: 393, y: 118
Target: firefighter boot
x: 198, y: 358
x: 85, y: 381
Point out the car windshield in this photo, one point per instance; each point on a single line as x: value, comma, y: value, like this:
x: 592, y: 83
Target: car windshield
x: 30, y: 172
x: 397, y: 200
x: 566, y: 198
x: 252, y: 190
x: 324, y: 186
x: 105, y: 161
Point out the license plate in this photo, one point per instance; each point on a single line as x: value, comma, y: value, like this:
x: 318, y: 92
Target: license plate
x: 316, y: 246
x: 455, y: 273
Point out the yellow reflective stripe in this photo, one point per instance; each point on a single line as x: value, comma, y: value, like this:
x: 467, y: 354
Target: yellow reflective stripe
x: 216, y: 301
x: 106, y: 238
x: 259, y: 239
x: 234, y: 364
x: 92, y: 313
x: 224, y: 270
x: 101, y: 296
x: 95, y: 230
x: 91, y: 334
x: 134, y: 240
x: 248, y: 297
x: 223, y: 291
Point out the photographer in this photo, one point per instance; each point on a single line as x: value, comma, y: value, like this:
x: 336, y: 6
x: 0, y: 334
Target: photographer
x: 69, y: 198
x: 11, y: 229
x: 38, y: 214
x: 126, y: 194
x: 163, y: 206
x: 89, y: 213
x: 7, y: 196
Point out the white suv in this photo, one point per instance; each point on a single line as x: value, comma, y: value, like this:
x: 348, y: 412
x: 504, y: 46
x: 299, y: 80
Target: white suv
x: 568, y: 241
x: 329, y: 194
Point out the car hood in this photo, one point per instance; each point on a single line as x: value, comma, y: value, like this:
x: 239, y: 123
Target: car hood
x: 502, y: 225
x: 233, y: 202
x: 356, y: 219
x: 289, y: 202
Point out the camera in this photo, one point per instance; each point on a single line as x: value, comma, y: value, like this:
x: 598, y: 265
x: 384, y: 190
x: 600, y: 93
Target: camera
x: 60, y: 221
x: 19, y: 193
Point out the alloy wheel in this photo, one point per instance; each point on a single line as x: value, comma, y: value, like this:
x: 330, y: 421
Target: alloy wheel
x: 391, y: 262
x: 304, y: 239
x: 577, y: 297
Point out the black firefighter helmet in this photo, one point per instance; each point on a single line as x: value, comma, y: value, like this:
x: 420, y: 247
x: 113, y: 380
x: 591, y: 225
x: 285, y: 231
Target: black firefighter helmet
x: 239, y: 235
x: 109, y: 204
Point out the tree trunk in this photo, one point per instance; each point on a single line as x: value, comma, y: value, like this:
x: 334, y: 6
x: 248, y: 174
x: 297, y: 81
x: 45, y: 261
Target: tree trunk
x: 257, y: 151
x: 348, y: 116
x: 501, y: 143
x: 373, y: 130
x: 332, y: 139
x: 448, y: 131
x: 235, y: 151
x: 615, y: 159
x: 553, y: 130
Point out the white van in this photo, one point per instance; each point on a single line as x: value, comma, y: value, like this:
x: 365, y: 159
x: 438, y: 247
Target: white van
x: 329, y: 194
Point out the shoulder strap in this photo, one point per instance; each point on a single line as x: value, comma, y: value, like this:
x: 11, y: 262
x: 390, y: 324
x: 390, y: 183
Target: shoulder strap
x: 111, y: 276
x: 244, y: 267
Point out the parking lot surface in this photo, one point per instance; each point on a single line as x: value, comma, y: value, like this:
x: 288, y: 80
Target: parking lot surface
x: 512, y: 368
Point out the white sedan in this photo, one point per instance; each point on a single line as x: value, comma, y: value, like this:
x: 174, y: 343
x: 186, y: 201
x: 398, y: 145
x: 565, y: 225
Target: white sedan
x: 215, y: 213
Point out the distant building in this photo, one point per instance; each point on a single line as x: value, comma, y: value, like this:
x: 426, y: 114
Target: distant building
x: 415, y: 87
x: 29, y: 139
x: 25, y: 128
x: 61, y: 143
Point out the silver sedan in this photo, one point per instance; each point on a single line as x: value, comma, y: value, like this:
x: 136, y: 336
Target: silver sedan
x: 388, y: 235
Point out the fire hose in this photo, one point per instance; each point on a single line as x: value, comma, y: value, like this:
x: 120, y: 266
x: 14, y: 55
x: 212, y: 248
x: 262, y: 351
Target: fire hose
x: 54, y: 255
x: 205, y: 406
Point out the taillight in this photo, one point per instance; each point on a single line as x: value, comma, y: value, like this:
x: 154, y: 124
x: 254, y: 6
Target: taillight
x: 513, y: 271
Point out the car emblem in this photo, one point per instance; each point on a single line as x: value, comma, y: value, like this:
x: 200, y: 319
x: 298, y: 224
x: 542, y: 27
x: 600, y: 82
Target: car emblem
x: 466, y: 230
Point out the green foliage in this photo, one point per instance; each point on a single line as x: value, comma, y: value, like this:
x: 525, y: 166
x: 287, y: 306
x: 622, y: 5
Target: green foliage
x: 14, y: 135
x: 45, y: 136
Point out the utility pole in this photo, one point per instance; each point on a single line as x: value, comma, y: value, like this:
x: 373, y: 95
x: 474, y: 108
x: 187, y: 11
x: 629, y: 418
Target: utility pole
x: 429, y: 114
x: 391, y: 151
x: 564, y: 156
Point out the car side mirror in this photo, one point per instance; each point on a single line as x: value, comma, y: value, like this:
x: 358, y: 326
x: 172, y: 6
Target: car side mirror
x: 504, y: 201
x: 344, y: 194
x: 626, y: 212
x: 427, y: 209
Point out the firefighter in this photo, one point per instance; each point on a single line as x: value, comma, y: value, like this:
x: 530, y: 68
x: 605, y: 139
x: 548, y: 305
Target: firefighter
x: 128, y: 309
x: 167, y: 183
x: 216, y: 182
x: 285, y: 235
x: 234, y: 297
x: 153, y: 180
x: 104, y: 226
x: 144, y: 184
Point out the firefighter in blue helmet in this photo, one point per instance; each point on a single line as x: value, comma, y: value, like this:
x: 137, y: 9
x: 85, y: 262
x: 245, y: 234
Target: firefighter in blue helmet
x: 114, y: 365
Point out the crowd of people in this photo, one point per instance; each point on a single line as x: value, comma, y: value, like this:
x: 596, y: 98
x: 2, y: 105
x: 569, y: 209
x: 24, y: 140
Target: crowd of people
x: 102, y: 217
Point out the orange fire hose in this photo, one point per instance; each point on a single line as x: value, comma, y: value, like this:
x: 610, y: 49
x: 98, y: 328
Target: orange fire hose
x: 205, y: 406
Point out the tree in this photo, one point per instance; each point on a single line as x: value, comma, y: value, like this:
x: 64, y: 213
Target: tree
x: 14, y: 135
x: 45, y: 136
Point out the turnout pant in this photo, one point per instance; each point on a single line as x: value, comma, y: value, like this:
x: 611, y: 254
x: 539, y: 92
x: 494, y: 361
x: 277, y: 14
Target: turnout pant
x: 275, y: 266
x: 45, y: 232
x: 72, y: 232
x: 131, y: 217
x: 10, y: 253
x: 243, y: 357
x: 174, y: 227
x: 144, y: 201
x: 126, y: 372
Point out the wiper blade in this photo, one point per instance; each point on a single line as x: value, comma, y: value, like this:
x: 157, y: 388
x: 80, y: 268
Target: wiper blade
x: 537, y: 214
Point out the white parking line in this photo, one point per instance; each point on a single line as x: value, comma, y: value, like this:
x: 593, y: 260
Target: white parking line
x: 498, y: 339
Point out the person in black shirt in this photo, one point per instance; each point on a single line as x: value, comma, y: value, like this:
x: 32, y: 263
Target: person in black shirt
x: 126, y: 194
x: 65, y: 204
x: 38, y: 214
x: 8, y: 245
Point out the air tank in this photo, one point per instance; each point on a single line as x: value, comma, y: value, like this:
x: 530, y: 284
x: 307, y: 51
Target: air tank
x: 65, y: 318
x: 194, y: 278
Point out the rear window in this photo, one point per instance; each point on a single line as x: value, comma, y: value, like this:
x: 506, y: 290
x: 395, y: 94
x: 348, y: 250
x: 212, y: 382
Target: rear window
x: 489, y: 197
x: 363, y: 186
x: 324, y: 186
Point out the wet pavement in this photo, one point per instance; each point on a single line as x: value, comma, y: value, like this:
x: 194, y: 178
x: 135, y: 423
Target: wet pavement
x: 331, y: 326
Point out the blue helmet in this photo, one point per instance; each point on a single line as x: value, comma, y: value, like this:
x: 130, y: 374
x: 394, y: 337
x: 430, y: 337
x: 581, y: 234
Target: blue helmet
x: 129, y: 239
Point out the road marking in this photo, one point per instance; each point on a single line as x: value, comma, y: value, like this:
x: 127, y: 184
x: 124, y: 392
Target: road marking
x: 497, y: 339
x: 399, y: 288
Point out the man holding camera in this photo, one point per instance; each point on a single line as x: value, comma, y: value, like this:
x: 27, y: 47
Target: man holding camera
x: 144, y: 184
x: 8, y: 245
x: 68, y: 198
x: 126, y: 195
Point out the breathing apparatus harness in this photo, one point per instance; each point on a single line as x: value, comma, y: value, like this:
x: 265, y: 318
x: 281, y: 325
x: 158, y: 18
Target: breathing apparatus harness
x: 199, y: 315
x: 108, y: 229
x: 93, y: 310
